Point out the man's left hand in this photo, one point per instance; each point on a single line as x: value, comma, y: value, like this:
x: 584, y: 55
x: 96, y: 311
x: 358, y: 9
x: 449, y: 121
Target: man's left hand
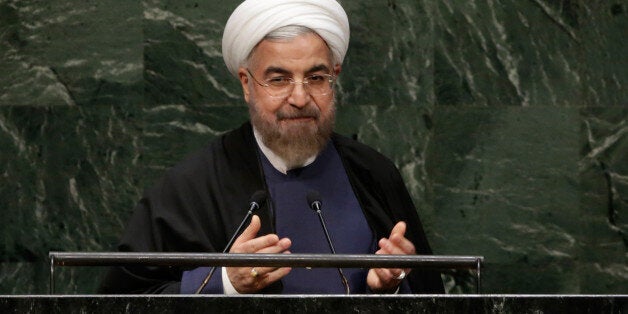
x: 388, y: 279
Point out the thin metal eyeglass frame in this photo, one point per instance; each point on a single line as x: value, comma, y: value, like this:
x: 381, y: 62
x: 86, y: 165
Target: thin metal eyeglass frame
x: 293, y: 83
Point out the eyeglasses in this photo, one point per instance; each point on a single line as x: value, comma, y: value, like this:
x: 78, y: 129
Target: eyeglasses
x: 282, y: 86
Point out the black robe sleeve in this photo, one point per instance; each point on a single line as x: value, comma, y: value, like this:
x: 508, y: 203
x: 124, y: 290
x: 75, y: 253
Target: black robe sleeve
x: 385, y: 201
x: 195, y: 207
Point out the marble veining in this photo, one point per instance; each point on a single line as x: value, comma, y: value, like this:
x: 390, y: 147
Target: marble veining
x: 507, y: 120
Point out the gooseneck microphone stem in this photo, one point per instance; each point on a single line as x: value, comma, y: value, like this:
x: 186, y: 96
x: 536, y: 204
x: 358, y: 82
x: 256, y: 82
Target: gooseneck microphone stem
x: 256, y: 199
x: 333, y: 251
x: 313, y: 198
x: 320, y: 218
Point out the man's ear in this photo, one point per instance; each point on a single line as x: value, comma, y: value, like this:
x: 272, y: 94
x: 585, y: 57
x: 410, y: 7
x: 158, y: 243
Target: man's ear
x: 337, y: 69
x: 244, y: 81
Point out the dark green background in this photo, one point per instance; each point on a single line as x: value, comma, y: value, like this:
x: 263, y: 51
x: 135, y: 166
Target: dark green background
x: 508, y: 120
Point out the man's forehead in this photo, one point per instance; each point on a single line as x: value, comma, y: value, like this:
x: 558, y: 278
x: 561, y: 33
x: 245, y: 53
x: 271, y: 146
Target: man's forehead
x: 311, y: 38
x: 307, y: 52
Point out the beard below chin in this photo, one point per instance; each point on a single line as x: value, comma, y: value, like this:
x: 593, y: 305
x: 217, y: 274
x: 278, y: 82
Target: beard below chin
x: 294, y: 142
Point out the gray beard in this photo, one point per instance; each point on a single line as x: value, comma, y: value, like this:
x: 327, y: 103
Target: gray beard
x: 297, y: 142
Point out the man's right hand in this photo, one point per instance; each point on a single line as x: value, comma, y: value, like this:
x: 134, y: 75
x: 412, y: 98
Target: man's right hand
x: 251, y: 280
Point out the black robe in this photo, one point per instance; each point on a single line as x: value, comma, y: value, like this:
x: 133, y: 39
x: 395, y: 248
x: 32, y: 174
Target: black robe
x: 200, y: 202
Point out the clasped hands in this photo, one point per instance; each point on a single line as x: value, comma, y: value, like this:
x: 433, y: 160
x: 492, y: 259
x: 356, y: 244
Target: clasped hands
x: 251, y: 280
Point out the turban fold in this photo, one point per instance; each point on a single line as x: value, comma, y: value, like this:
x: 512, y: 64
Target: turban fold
x: 254, y: 19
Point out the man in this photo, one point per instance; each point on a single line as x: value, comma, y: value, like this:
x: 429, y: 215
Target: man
x: 287, y: 55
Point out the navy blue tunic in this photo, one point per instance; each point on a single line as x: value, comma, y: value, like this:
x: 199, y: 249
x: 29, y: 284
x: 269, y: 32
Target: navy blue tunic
x: 294, y: 219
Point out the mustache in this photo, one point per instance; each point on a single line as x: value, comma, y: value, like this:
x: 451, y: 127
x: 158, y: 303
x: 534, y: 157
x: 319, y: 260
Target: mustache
x: 308, y: 111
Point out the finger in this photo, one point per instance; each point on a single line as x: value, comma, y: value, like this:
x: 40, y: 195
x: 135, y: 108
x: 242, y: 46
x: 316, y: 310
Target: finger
x: 383, y: 274
x: 377, y: 279
x: 372, y: 280
x: 400, y: 244
x: 399, y: 247
x: 381, y: 279
x: 386, y: 274
x: 276, y: 274
x: 386, y: 247
x: 398, y: 229
x: 268, y: 275
x: 281, y: 247
x: 389, y: 274
x: 258, y: 244
x: 252, y: 279
x: 389, y: 247
x: 397, y: 235
x: 250, y: 231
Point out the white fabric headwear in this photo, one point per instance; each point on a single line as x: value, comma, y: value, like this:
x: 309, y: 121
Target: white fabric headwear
x: 254, y: 19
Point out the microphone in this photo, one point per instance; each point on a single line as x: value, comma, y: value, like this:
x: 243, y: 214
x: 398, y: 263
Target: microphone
x: 314, y: 200
x: 254, y: 204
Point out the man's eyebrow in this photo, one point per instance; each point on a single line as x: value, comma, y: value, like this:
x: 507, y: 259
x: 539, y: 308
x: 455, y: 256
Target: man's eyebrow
x: 320, y: 67
x: 278, y: 70
x: 271, y: 70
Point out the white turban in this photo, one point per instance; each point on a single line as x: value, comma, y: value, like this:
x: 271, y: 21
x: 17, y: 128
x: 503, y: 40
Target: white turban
x: 254, y: 19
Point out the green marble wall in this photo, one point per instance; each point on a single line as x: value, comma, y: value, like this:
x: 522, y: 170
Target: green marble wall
x: 508, y: 120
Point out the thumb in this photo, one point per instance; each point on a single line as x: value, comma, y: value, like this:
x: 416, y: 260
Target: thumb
x: 250, y: 232
x: 399, y: 229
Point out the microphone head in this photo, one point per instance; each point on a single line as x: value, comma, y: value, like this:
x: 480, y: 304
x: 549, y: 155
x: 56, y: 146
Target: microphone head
x: 258, y: 197
x: 314, y: 199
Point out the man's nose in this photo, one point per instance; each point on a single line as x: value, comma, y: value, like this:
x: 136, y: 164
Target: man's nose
x: 299, y: 96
